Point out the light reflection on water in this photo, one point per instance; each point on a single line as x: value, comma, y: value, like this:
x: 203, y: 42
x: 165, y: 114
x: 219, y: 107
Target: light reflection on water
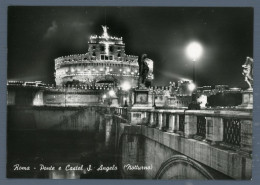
x: 63, y: 174
x: 51, y: 147
x: 55, y: 148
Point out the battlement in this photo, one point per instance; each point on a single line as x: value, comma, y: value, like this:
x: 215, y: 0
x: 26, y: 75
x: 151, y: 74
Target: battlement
x: 85, y: 59
x: 100, y: 39
x: 52, y: 87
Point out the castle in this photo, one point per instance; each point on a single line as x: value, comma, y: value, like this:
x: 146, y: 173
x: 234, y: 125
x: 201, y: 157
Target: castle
x: 105, y: 62
x: 84, y: 79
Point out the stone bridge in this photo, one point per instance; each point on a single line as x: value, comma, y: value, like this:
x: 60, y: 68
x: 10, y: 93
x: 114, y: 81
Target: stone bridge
x: 156, y: 143
x: 181, y: 144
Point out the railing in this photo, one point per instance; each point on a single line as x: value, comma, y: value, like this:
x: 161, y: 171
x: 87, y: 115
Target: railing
x: 201, y: 126
x: 122, y: 111
x: 232, y: 131
x: 167, y: 118
x: 125, y: 113
x: 228, y: 128
x: 181, y: 123
x: 156, y: 119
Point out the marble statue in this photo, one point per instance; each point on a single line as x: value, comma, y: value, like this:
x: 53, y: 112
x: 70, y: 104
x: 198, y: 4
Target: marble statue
x: 105, y: 28
x: 143, y: 70
x: 248, y: 72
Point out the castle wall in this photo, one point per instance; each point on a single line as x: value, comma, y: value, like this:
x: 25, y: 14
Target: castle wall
x: 21, y: 96
x: 28, y: 96
x: 89, y: 72
x: 58, y: 118
x: 64, y: 99
x: 38, y: 98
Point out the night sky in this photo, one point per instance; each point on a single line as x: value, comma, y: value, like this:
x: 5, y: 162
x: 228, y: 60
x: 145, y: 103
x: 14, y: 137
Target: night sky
x: 38, y: 35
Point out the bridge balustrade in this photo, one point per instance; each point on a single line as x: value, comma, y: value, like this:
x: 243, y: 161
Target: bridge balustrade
x: 124, y: 113
x: 121, y: 111
x: 156, y: 119
x: 181, y: 122
x: 232, y: 131
x: 201, y: 126
x: 228, y: 128
x: 167, y: 117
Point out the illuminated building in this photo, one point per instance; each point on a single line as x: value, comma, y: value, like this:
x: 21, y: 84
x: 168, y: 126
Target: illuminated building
x: 105, y: 62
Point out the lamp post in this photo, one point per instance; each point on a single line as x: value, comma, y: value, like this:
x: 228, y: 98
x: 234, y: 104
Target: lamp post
x: 104, y: 98
x: 126, y: 87
x: 154, y: 94
x: 194, y: 51
x: 112, y: 95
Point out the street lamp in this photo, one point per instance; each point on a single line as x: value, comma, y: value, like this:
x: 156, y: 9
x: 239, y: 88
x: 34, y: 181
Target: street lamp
x: 194, y: 51
x: 192, y: 87
x: 111, y: 93
x: 126, y: 86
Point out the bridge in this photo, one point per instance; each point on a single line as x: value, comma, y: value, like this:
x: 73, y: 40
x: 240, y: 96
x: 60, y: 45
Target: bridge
x: 157, y: 143
x: 182, y: 144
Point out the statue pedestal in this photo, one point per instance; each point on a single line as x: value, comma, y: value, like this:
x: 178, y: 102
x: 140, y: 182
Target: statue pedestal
x: 247, y: 99
x: 141, y: 98
x: 141, y: 105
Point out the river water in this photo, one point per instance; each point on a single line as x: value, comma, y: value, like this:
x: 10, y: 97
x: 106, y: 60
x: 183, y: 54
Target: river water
x: 59, y: 154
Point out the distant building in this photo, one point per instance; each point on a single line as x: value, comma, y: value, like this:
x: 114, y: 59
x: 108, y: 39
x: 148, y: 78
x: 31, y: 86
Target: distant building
x: 221, y: 87
x: 183, y: 88
x: 221, y: 95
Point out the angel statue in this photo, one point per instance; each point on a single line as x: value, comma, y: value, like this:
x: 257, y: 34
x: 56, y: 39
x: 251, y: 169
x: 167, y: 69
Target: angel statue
x: 143, y: 70
x: 105, y: 34
x: 248, y: 71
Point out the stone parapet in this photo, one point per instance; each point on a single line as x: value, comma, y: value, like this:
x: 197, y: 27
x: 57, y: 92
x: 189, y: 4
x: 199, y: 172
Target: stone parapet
x: 228, y: 162
x: 229, y: 128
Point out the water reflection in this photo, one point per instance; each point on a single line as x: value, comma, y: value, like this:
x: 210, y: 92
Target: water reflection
x: 59, y: 149
x: 63, y: 174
